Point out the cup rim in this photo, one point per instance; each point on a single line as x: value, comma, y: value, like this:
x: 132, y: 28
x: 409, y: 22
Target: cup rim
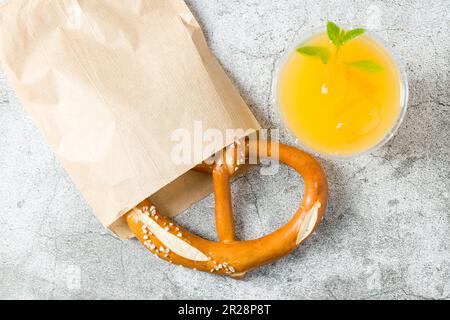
x: 404, y: 91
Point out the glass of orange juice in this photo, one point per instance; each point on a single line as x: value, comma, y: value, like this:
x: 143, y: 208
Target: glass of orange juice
x: 341, y: 92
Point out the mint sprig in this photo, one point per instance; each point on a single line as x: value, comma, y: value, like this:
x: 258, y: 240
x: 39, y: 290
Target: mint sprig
x: 339, y: 37
x: 316, y: 51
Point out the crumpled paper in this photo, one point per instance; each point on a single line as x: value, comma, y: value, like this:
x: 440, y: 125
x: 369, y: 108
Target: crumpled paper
x: 108, y: 81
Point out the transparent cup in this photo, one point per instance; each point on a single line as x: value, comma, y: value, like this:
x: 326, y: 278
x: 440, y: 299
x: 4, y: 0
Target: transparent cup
x: 403, y: 102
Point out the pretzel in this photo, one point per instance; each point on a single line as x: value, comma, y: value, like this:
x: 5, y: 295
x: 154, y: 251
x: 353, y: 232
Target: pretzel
x: 161, y: 236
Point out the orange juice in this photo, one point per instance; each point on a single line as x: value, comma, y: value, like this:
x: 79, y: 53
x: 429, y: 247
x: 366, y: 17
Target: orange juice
x: 335, y: 108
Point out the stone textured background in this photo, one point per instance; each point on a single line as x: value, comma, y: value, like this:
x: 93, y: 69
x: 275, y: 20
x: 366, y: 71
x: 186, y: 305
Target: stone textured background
x: 386, y: 233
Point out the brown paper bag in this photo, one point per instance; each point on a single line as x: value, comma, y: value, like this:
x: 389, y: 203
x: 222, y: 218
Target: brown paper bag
x: 108, y: 81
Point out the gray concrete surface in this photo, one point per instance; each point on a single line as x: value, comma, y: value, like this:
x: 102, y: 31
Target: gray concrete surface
x: 386, y: 233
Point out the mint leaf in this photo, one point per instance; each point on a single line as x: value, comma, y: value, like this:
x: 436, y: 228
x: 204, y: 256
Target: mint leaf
x: 320, y: 52
x: 352, y: 34
x: 334, y: 33
x: 366, y: 65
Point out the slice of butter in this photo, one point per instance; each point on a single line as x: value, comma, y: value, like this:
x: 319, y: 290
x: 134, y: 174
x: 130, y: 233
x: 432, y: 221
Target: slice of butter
x: 308, y: 223
x: 174, y: 243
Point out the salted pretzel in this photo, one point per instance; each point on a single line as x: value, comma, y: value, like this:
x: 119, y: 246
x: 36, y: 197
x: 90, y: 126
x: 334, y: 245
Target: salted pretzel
x: 161, y: 236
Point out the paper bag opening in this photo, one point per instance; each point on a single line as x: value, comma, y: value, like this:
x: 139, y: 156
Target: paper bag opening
x: 108, y: 82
